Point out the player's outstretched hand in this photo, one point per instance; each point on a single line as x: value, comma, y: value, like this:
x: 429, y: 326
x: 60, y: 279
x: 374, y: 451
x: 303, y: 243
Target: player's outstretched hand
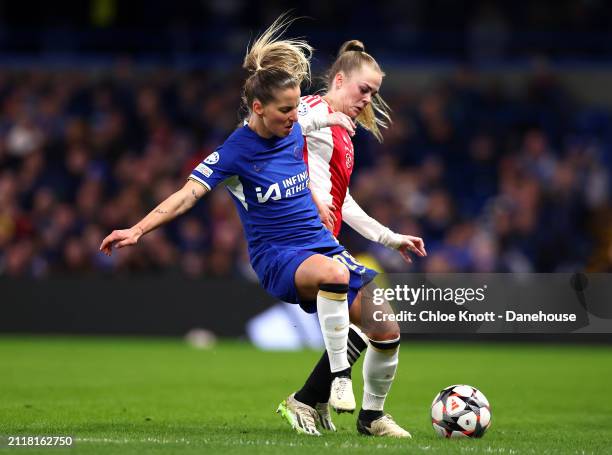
x: 119, y: 239
x: 343, y: 120
x: 410, y: 243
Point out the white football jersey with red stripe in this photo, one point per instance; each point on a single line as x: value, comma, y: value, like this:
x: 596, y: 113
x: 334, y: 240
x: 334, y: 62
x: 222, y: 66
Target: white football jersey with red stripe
x: 329, y: 154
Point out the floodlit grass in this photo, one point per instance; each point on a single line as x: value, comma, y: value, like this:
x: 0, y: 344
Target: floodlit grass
x: 123, y: 396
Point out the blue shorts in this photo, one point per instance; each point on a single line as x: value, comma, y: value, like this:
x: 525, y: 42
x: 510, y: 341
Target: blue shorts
x: 276, y: 269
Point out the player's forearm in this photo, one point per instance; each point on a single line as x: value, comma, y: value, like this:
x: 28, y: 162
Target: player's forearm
x: 173, y: 206
x: 372, y: 230
x: 165, y: 212
x: 367, y: 226
x: 361, y: 222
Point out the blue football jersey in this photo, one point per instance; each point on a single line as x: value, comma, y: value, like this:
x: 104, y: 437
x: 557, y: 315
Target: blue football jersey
x: 268, y: 181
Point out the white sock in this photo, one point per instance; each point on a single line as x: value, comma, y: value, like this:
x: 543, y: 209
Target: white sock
x: 379, y: 367
x: 332, y: 309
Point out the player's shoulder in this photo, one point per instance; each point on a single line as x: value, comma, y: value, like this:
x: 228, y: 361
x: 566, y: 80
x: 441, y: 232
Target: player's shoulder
x: 312, y: 104
x: 232, y: 150
x: 241, y: 133
x: 240, y: 139
x: 312, y: 100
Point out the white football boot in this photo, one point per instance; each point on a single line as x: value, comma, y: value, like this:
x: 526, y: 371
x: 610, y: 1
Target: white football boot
x: 383, y: 426
x: 341, y: 398
x: 301, y: 417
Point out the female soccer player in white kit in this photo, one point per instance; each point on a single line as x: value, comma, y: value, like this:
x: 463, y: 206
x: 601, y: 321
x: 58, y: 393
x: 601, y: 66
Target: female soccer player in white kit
x: 353, y: 84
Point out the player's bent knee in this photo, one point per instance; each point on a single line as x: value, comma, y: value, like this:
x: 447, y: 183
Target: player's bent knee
x: 387, y: 331
x: 336, y: 273
x: 387, y: 346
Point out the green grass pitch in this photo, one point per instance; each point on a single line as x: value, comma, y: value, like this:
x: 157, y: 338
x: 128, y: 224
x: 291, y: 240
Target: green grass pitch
x: 157, y: 396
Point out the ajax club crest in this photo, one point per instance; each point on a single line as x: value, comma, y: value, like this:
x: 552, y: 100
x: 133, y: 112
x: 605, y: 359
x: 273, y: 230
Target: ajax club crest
x: 349, y: 160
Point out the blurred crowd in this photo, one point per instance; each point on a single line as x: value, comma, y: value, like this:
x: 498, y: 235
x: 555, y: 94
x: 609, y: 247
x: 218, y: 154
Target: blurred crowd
x: 421, y: 29
x: 492, y: 181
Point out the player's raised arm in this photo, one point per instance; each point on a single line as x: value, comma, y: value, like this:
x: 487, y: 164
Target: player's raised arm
x: 176, y: 204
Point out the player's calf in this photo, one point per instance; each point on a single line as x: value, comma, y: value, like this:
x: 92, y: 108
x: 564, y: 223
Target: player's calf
x: 379, y: 367
x: 315, y: 391
x: 333, y: 314
x: 381, y: 359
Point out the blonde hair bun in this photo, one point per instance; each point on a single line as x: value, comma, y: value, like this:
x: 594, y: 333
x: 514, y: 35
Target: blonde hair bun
x: 352, y: 45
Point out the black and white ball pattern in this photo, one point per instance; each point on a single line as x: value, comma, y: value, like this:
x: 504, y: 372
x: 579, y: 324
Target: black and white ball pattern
x: 460, y: 411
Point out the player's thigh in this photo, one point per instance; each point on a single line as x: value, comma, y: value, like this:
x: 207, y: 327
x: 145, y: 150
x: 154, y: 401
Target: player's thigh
x: 370, y: 314
x: 316, y: 270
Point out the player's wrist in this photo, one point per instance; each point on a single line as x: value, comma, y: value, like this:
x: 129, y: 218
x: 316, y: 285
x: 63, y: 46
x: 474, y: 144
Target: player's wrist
x: 138, y: 231
x: 390, y: 239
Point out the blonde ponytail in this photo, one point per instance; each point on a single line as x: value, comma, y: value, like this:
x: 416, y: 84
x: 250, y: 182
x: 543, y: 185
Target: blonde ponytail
x: 274, y: 63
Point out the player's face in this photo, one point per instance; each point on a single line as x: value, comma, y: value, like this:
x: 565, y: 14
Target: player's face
x: 358, y: 89
x: 280, y: 114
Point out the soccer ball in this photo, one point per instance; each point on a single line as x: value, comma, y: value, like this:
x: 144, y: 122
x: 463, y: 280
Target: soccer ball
x: 460, y: 411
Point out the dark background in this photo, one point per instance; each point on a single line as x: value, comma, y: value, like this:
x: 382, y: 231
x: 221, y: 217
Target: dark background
x: 499, y: 156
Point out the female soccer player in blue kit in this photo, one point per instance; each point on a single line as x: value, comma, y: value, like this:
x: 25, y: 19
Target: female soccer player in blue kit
x: 262, y: 166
